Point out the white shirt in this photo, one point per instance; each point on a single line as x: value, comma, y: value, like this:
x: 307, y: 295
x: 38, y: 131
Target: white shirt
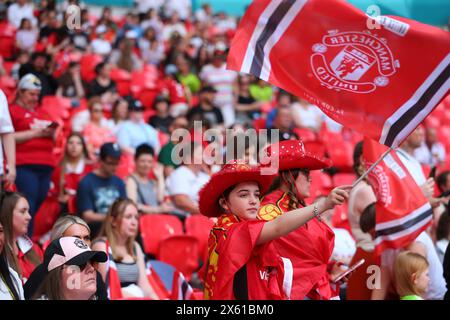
x: 16, y: 13
x: 184, y: 181
x: 144, y: 5
x: 430, y: 157
x: 413, y: 166
x: 436, y: 287
x: 182, y: 7
x: 101, y: 47
x: 344, y: 246
x: 6, y: 125
x: 310, y: 117
x: 4, y: 292
x: 222, y: 80
x: 441, y: 247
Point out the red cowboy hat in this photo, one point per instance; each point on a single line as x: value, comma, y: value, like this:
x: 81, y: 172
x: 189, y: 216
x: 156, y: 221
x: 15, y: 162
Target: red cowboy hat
x: 291, y: 154
x: 232, y: 173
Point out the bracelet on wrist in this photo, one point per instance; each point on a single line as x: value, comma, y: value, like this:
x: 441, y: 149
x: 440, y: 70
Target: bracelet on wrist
x: 316, y: 212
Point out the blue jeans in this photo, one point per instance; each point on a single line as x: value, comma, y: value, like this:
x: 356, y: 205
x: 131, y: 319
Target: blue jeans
x: 33, y: 181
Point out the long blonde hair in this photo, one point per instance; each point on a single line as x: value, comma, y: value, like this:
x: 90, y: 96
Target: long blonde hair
x: 115, y: 214
x: 407, y: 264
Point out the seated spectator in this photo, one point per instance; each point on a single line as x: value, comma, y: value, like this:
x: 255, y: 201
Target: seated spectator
x: 65, y: 258
x: 147, y: 193
x: 26, y: 36
x: 66, y: 226
x: 123, y: 57
x: 39, y: 66
x: 119, y: 114
x: 431, y: 152
x: 96, y: 132
x: 10, y: 283
x: 184, y: 183
x: 23, y: 255
x: 102, y: 85
x: 152, y: 49
x: 100, y: 45
x: 23, y: 57
x: 100, y: 188
x: 174, y: 25
x: 175, y: 91
x: 73, y: 167
x: 261, y: 91
x: 307, y: 116
x: 165, y: 155
x: 284, y: 123
x: 117, y: 239
x: 206, y: 108
x: 70, y: 83
x: 247, y: 108
x: 34, y: 137
x: 443, y: 181
x: 187, y: 77
x: 411, y: 275
x: 8, y: 174
x: 162, y: 119
x: 19, y: 10
x: 134, y: 131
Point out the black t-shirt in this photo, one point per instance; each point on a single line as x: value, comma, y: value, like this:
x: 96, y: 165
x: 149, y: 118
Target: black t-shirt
x: 214, y: 116
x: 96, y: 89
x: 160, y: 123
x: 249, y: 100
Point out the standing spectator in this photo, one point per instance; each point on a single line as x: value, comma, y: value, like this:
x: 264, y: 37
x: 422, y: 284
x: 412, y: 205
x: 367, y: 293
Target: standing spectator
x: 70, y: 83
x: 100, y: 45
x: 224, y: 81
x: 39, y: 67
x: 23, y: 255
x: 119, y: 114
x: 10, y: 283
x: 187, y: 77
x: 165, y: 155
x: 100, y: 188
x: 103, y: 85
x: 19, y: 10
x: 23, y: 57
x: 431, y: 152
x: 96, y: 132
x: 162, y: 119
x: 148, y: 194
x: 118, y: 240
x: 411, y: 276
x: 26, y: 36
x: 204, y: 14
x: 206, y: 108
x: 261, y: 91
x: 174, y: 27
x: 284, y: 123
x: 175, y: 91
x: 184, y: 183
x: 181, y: 7
x: 134, y: 131
x: 66, y: 258
x: 34, y: 144
x: 7, y: 177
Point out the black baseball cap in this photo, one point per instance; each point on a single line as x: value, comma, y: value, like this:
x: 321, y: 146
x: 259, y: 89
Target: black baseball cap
x: 135, y: 105
x: 110, y: 149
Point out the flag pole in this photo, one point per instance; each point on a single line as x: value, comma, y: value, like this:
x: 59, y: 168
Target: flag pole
x: 372, y: 166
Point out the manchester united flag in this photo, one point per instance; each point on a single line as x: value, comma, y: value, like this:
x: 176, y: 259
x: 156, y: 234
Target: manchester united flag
x: 379, y: 76
x: 402, y: 210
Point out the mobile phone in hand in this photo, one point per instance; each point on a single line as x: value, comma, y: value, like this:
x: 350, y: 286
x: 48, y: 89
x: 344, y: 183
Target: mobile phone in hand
x: 349, y: 270
x: 53, y: 125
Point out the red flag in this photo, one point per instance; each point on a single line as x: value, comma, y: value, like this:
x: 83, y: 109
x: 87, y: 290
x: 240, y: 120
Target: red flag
x: 402, y: 210
x: 380, y: 81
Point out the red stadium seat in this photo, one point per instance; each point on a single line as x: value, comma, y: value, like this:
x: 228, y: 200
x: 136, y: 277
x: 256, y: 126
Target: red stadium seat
x: 8, y: 46
x: 87, y: 66
x: 341, y: 153
x: 126, y: 166
x: 157, y: 227
x: 259, y: 124
x: 199, y: 227
x: 141, y: 80
x: 147, y: 97
x: 181, y: 251
x: 340, y: 179
x: 57, y: 107
x: 123, y: 81
x: 306, y: 135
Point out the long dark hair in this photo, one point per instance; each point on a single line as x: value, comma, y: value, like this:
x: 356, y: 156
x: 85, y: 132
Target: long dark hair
x: 288, y: 177
x: 4, y: 271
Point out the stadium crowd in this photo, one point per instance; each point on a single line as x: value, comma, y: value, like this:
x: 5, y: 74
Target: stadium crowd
x: 89, y: 116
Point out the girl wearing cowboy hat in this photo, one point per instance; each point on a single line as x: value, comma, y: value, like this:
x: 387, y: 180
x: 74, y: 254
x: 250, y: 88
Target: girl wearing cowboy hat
x: 243, y: 262
x: 308, y: 249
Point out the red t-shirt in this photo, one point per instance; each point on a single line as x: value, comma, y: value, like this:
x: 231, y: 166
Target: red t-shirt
x: 37, y: 150
x: 176, y: 90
